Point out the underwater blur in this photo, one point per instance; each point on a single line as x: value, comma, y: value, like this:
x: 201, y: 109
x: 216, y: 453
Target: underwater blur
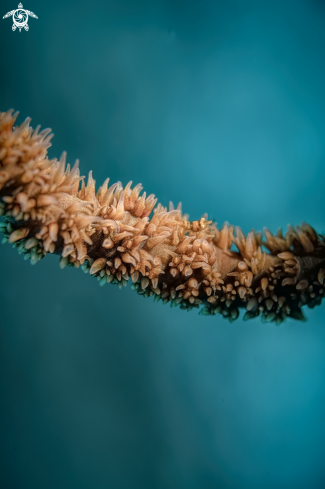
x: 219, y: 105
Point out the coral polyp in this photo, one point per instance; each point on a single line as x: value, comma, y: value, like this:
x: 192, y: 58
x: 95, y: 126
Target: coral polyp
x: 117, y: 234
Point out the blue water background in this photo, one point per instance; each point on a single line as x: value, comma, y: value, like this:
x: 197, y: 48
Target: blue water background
x: 219, y: 105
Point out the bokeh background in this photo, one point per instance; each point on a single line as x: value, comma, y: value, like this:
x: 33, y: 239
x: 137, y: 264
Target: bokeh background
x: 219, y: 105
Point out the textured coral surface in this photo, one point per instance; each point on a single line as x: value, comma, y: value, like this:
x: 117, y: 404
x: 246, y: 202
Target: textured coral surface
x: 109, y: 234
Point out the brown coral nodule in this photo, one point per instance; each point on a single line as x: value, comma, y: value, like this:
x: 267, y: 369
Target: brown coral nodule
x: 109, y: 234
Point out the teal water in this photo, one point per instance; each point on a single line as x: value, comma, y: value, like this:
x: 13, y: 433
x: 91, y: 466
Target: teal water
x: 219, y: 105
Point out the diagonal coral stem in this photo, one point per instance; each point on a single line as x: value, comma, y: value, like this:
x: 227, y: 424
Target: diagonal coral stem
x: 109, y: 233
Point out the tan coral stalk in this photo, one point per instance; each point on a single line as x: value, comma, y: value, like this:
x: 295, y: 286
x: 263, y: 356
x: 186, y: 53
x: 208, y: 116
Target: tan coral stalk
x: 110, y: 235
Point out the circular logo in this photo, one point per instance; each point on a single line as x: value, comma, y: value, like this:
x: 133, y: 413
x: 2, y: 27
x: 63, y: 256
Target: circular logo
x: 20, y: 18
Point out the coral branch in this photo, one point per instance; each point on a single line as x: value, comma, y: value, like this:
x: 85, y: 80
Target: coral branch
x: 108, y: 234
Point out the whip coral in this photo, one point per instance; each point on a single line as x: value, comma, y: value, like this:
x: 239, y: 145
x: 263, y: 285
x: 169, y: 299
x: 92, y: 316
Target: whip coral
x: 109, y: 234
